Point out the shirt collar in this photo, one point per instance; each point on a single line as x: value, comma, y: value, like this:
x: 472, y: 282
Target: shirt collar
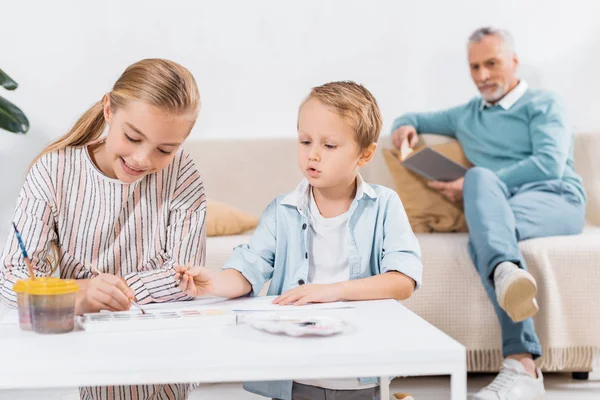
x: 300, y: 196
x: 510, y: 98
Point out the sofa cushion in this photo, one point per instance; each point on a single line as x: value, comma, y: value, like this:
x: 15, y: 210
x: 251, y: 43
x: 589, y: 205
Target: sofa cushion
x: 224, y: 220
x: 427, y: 209
x: 219, y: 248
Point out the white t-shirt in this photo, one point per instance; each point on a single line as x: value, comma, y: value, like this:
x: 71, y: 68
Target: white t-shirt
x: 328, y: 263
x: 327, y: 246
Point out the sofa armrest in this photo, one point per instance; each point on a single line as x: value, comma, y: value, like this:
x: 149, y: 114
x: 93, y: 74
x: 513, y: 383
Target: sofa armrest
x: 587, y: 164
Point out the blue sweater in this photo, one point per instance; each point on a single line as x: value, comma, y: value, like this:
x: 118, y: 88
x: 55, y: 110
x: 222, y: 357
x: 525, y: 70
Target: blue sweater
x: 529, y: 142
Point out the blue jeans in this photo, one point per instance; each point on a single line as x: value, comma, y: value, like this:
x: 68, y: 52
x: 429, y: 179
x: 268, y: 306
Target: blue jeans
x: 498, y: 217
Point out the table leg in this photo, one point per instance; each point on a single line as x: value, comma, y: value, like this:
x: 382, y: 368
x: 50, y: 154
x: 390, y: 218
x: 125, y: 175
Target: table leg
x: 458, y: 384
x: 384, y: 387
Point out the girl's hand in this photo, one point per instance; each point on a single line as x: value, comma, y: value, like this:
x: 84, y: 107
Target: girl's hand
x: 311, y: 293
x: 195, y: 281
x: 103, y: 292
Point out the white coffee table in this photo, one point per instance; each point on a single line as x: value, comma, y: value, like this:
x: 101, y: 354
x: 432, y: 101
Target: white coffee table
x: 389, y: 340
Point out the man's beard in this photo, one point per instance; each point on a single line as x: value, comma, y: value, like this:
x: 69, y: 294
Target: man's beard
x: 492, y: 97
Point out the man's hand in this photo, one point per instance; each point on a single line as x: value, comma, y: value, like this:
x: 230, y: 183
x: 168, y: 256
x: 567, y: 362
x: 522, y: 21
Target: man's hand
x: 406, y: 132
x: 311, y: 293
x: 452, y: 190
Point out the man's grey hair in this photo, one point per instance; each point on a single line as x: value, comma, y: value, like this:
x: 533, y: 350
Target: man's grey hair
x: 503, y: 34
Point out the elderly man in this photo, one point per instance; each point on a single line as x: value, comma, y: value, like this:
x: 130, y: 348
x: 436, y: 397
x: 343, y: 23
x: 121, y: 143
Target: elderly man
x: 523, y: 186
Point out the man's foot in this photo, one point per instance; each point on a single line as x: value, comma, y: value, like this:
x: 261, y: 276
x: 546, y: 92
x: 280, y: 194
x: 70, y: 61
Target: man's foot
x: 515, y: 290
x: 513, y: 383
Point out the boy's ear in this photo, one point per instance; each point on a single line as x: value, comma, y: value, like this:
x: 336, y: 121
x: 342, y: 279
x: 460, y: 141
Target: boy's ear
x: 367, y: 154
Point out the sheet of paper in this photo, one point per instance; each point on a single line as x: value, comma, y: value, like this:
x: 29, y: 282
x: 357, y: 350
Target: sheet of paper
x: 245, y: 304
x: 209, y: 302
x: 265, y: 303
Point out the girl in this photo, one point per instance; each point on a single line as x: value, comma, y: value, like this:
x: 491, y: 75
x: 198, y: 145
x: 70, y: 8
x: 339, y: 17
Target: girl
x: 130, y: 205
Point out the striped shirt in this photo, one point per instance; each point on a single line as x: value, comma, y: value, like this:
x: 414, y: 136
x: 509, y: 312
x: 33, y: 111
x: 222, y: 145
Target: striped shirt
x: 138, y: 231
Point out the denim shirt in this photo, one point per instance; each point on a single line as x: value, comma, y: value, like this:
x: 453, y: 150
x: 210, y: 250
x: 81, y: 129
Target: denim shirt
x: 381, y: 241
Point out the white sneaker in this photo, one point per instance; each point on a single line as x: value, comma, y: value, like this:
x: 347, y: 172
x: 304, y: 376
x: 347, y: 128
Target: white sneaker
x: 515, y: 291
x: 513, y: 383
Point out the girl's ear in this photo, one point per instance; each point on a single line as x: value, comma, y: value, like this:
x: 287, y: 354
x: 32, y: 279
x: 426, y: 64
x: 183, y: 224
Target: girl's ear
x: 367, y: 154
x: 106, y: 108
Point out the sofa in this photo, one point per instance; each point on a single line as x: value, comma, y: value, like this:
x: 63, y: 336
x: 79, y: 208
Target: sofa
x: 248, y: 174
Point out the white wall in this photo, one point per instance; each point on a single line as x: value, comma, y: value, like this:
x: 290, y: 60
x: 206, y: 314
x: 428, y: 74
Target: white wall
x: 255, y: 60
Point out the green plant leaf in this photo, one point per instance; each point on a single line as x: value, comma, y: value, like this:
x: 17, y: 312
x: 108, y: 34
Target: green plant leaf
x: 7, y: 82
x: 12, y: 118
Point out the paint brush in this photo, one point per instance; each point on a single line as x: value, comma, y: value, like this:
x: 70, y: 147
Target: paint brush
x: 138, y: 306
x: 185, y: 268
x: 96, y: 273
x: 24, y: 251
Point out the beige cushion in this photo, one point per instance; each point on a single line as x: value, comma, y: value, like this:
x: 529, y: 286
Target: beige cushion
x: 427, y: 209
x: 225, y: 220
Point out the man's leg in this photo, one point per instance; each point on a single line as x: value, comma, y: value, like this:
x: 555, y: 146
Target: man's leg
x: 541, y: 209
x: 548, y: 208
x: 492, y: 240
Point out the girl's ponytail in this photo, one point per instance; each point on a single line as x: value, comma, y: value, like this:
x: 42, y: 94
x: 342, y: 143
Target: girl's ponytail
x: 89, y: 127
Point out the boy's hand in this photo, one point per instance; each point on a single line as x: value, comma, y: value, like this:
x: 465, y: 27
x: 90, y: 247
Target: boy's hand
x: 452, y: 190
x: 195, y: 281
x: 311, y: 293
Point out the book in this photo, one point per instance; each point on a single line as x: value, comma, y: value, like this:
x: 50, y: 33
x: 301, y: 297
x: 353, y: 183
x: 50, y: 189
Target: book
x: 434, y: 166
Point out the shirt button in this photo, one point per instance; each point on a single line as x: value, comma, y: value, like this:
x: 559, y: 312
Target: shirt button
x: 300, y: 282
x: 306, y: 255
x: 303, y: 226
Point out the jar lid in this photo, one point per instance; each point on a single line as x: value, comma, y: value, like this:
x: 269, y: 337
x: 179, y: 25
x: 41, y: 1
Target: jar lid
x: 51, y: 286
x: 21, y: 286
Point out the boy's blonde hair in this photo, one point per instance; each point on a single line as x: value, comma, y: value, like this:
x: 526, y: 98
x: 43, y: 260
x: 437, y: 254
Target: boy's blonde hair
x: 355, y: 104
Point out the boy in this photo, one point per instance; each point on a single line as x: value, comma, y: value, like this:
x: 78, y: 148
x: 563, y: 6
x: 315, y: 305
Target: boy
x: 334, y: 238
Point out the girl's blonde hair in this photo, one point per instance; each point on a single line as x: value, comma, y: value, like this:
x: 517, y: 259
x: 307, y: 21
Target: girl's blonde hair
x: 157, y: 82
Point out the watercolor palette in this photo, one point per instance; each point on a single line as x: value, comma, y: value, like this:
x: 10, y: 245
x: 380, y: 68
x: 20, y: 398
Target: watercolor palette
x: 156, y: 320
x: 292, y: 325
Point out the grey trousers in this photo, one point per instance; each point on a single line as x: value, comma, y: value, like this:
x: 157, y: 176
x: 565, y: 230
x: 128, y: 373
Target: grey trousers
x: 305, y: 392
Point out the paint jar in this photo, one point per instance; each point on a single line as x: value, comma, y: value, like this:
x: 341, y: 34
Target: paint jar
x: 52, y: 305
x: 21, y: 289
